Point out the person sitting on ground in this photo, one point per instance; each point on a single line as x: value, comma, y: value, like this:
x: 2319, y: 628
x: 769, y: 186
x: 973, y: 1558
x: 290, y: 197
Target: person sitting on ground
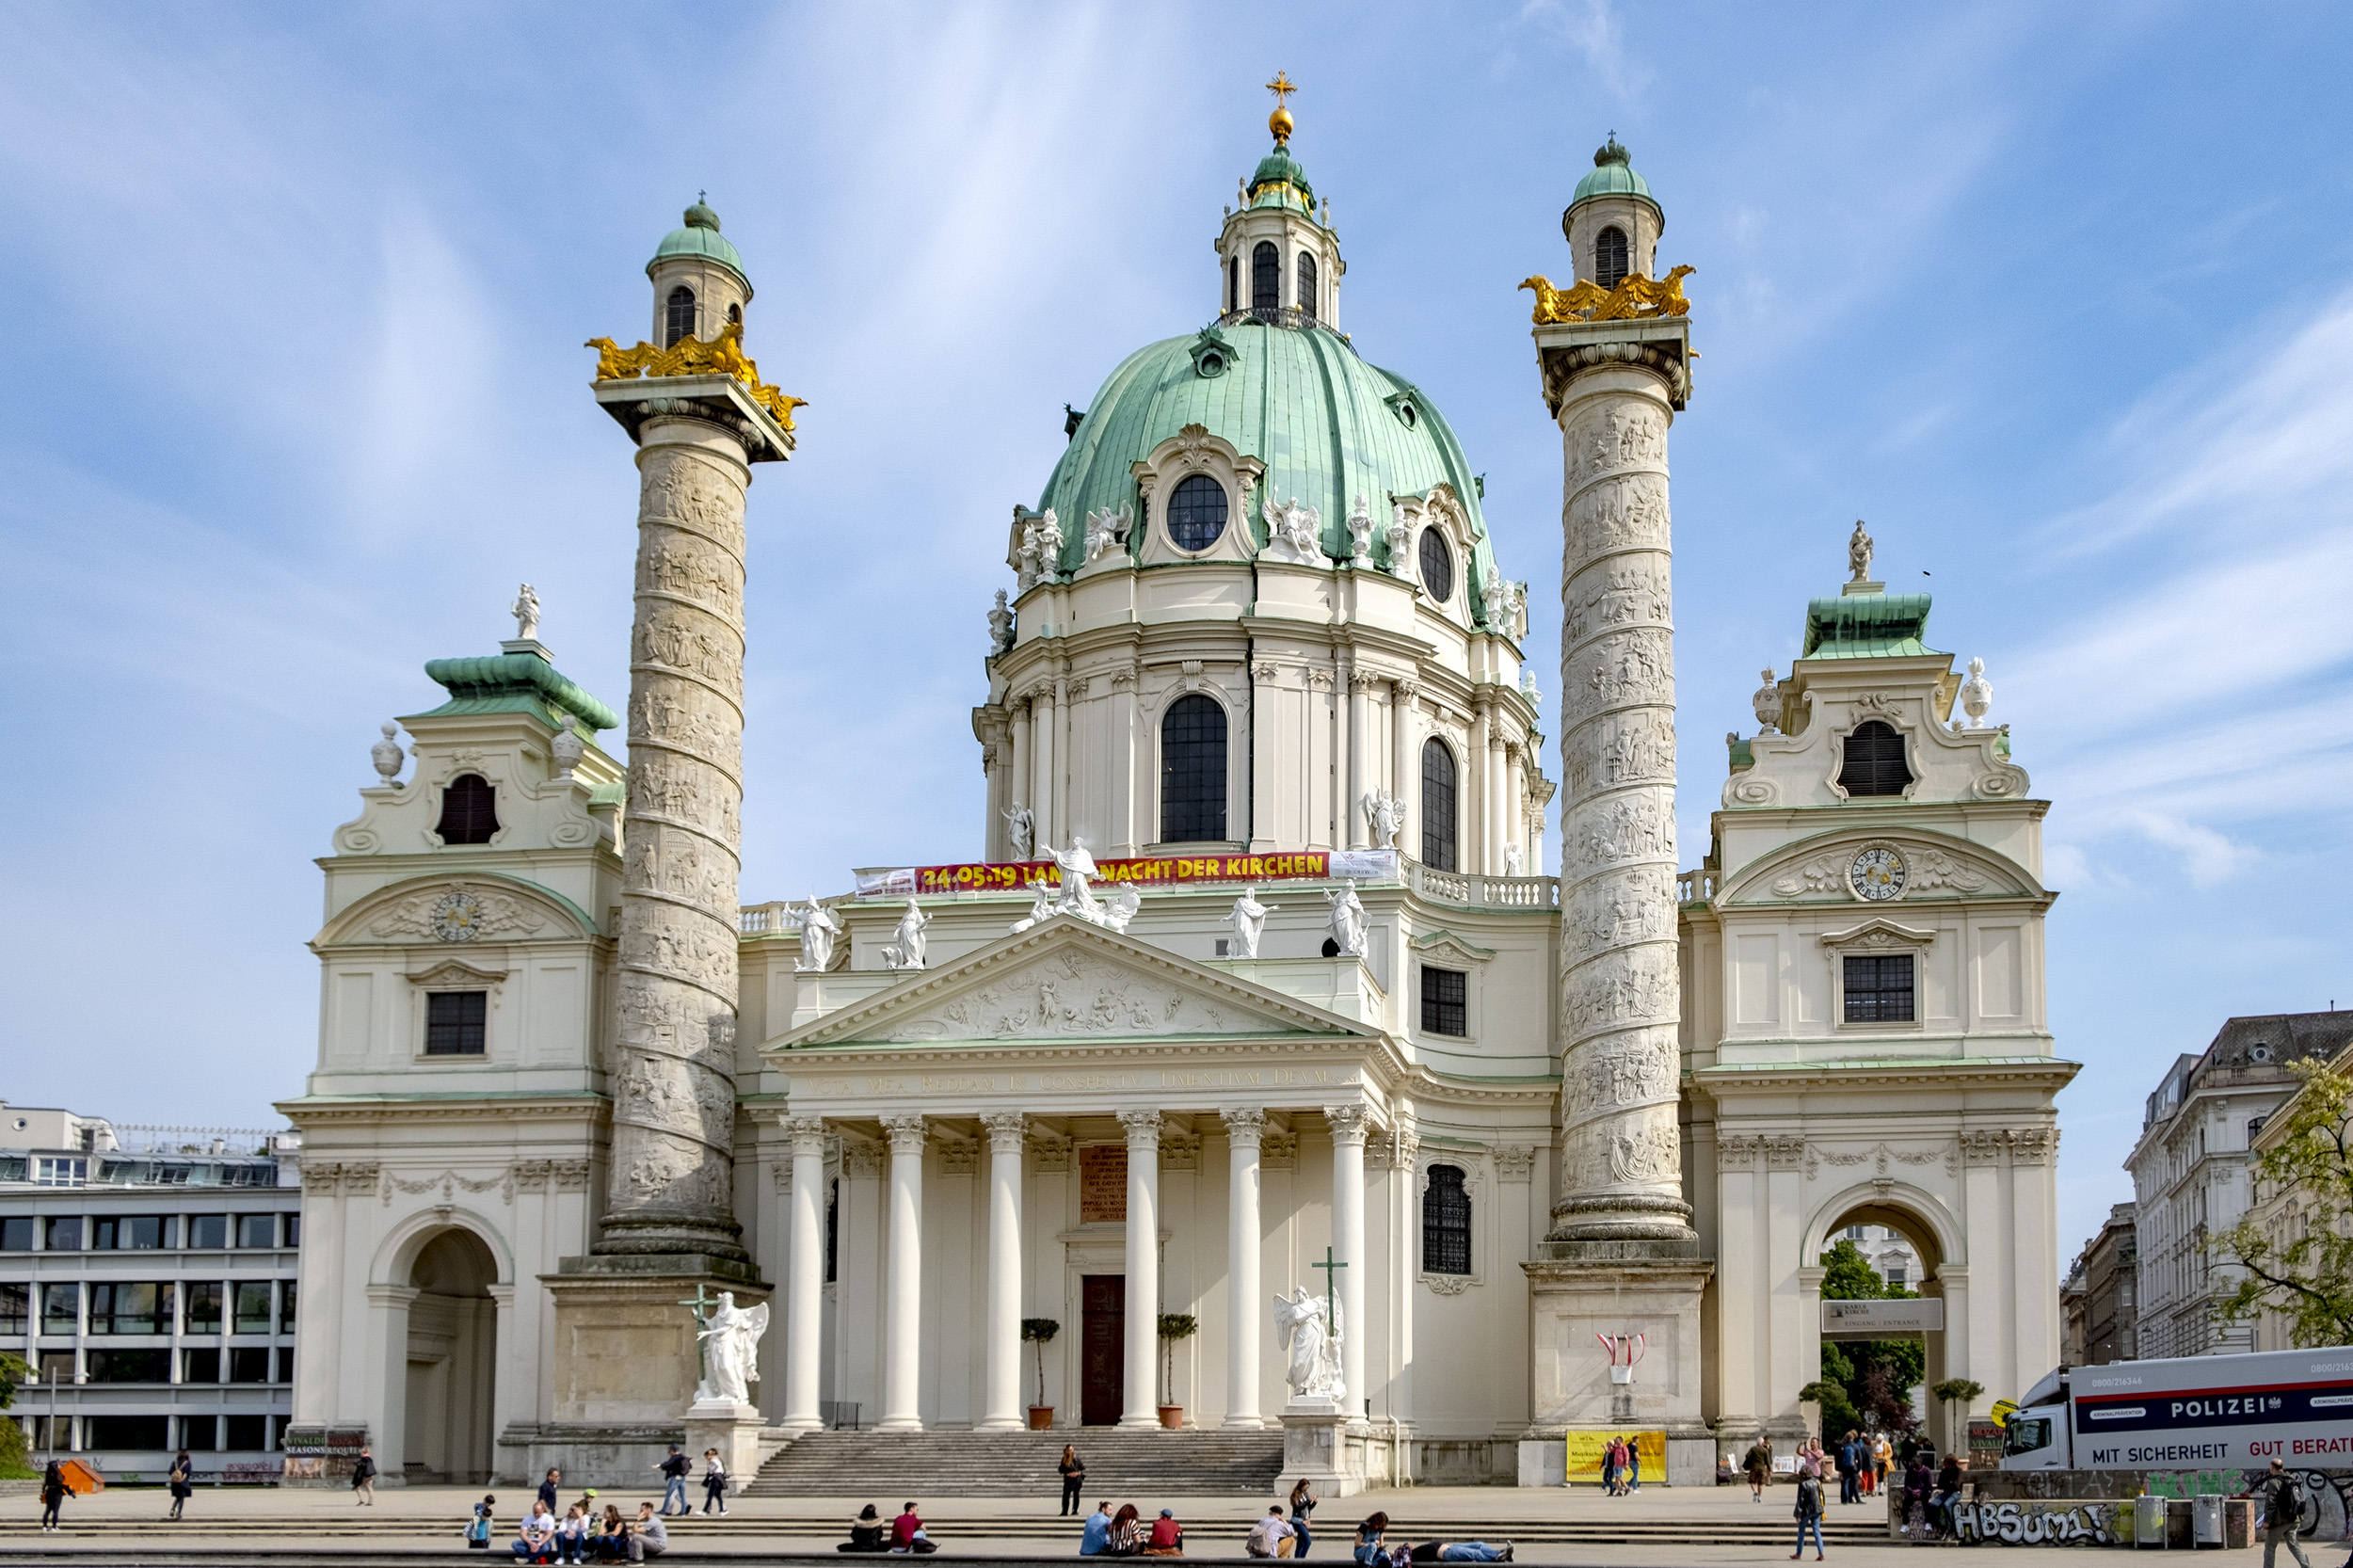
x: 611, y: 1538
x: 1914, y: 1503
x: 1948, y: 1493
x: 1167, y: 1537
x: 536, y: 1541
x: 1369, y: 1551
x: 866, y: 1532
x: 1271, y: 1536
x: 651, y: 1538
x: 907, y: 1533
x: 1094, y: 1536
x: 574, y: 1541
x: 1127, y: 1534
x: 1458, y: 1551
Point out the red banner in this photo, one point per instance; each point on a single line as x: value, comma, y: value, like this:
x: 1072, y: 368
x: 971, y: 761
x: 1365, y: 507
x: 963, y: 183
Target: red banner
x: 1160, y: 870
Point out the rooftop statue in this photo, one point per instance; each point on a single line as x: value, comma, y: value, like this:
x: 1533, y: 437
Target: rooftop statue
x: 1385, y: 814
x: 1635, y: 296
x: 906, y: 951
x: 526, y: 613
x: 1858, y: 550
x: 1347, y: 919
x: 818, y: 930
x: 1020, y: 829
x: 1248, y: 918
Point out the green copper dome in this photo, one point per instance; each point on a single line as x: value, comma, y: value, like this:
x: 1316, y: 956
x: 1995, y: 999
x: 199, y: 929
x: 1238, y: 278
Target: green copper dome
x: 1279, y: 169
x: 1613, y: 175
x: 1328, y: 426
x: 700, y: 236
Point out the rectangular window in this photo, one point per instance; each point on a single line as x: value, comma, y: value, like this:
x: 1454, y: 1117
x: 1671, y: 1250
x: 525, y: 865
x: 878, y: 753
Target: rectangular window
x: 455, y: 1022
x: 60, y: 1307
x: 122, y: 1306
x: 285, y: 1307
x: 257, y: 1231
x: 293, y: 1229
x: 253, y: 1306
x: 111, y: 1366
x: 57, y: 1366
x: 65, y: 1234
x: 249, y: 1363
x: 285, y: 1364
x: 200, y: 1434
x: 200, y: 1365
x: 208, y: 1232
x: 49, y: 1169
x: 16, y: 1308
x: 1445, y: 1001
x: 203, y: 1306
x: 1879, y: 988
x: 127, y: 1233
x: 126, y: 1432
x: 16, y: 1233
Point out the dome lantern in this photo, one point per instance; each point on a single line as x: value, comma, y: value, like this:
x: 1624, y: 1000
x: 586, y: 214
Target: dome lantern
x: 1279, y: 260
x: 1612, y: 223
x: 699, y: 285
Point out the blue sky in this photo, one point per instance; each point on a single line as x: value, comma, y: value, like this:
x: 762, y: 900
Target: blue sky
x: 2059, y: 299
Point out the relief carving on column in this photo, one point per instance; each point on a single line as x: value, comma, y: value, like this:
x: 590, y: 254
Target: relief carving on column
x: 1621, y: 748
x: 1619, y: 514
x: 1615, y: 435
x: 1617, y: 592
x: 1629, y: 906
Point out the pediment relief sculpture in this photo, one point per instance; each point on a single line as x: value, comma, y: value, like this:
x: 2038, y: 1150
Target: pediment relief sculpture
x: 1880, y: 870
x: 452, y: 910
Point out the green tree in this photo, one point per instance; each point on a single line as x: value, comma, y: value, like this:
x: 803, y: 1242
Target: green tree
x: 2307, y: 1272
x: 15, y: 1372
x: 1875, y: 1376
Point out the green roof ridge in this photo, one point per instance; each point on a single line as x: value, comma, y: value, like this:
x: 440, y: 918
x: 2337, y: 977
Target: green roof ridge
x: 515, y: 683
x: 1867, y: 626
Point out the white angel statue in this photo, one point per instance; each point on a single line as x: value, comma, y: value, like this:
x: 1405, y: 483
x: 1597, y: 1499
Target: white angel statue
x: 1385, y: 814
x: 1313, y: 1370
x: 1020, y: 828
x: 1041, y: 907
x: 818, y: 930
x: 731, y: 1345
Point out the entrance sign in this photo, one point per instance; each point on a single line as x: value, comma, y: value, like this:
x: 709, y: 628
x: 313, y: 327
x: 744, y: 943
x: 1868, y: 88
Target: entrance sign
x: 1586, y: 1449
x: 1363, y: 864
x: 1882, y: 1319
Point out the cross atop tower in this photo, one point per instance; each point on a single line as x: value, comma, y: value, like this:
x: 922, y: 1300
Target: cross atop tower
x: 1280, y: 120
x: 1282, y: 87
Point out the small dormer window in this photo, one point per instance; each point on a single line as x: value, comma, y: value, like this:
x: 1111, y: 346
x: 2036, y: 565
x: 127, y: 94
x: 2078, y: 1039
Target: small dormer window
x: 1308, y: 286
x: 1437, y: 565
x: 678, y: 315
x: 1266, y: 276
x: 1874, y: 761
x: 1609, y: 264
x: 468, y: 810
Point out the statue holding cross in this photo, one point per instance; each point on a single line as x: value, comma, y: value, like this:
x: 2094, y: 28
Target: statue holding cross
x: 1313, y: 1332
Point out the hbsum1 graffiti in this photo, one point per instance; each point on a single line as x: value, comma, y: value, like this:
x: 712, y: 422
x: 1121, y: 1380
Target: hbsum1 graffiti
x: 2041, y: 1523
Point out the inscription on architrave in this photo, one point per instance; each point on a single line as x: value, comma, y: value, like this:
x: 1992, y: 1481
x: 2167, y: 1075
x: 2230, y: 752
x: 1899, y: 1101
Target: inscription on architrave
x: 1103, y: 1184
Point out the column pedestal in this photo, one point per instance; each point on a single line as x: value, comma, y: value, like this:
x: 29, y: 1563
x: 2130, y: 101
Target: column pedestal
x: 1579, y: 1289
x: 1317, y: 1444
x: 733, y: 1430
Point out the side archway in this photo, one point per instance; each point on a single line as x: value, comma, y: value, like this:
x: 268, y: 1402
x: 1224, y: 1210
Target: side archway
x: 1935, y: 1237
x: 440, y: 1281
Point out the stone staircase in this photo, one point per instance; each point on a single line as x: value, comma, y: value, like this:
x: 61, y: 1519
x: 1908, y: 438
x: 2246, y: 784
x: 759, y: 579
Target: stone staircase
x: 1120, y: 1462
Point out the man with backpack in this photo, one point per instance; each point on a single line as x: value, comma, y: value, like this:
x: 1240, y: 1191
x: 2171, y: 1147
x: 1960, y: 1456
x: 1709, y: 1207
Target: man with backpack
x: 674, y: 1470
x: 2283, y: 1510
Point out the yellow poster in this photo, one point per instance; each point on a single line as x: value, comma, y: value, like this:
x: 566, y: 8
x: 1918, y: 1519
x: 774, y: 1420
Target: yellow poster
x: 1586, y: 1449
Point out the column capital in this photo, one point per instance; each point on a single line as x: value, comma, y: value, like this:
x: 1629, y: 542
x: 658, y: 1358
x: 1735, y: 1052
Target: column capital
x: 1406, y: 691
x: 1244, y: 1124
x: 806, y: 1133
x: 1143, y: 1128
x: 1007, y: 1131
x: 1350, y: 1123
x: 905, y: 1133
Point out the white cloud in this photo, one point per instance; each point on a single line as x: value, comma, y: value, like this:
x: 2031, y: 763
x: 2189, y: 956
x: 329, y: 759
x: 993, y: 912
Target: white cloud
x: 1594, y: 31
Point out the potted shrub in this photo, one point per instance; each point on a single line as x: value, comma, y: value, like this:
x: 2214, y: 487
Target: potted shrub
x: 1174, y: 1326
x: 1040, y: 1331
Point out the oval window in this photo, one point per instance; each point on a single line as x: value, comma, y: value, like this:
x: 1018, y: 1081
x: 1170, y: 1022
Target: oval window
x: 1196, y: 513
x: 1437, y: 565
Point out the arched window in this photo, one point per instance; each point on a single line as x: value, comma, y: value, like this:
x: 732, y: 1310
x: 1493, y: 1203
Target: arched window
x: 470, y: 811
x: 1609, y: 265
x: 1233, y: 283
x: 1438, y: 806
x: 1446, y: 1220
x: 735, y: 315
x: 677, y: 320
x: 1875, y: 761
x: 1192, y: 771
x: 1266, y: 276
x: 1437, y: 565
x: 1307, y: 295
x: 1196, y: 512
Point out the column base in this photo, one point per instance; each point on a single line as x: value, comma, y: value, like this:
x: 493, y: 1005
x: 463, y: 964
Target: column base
x: 1001, y: 1423
x: 1245, y: 1423
x: 1319, y: 1446
x: 732, y: 1428
x: 1132, y: 1419
x: 900, y: 1423
x: 1581, y: 1289
x: 625, y: 1347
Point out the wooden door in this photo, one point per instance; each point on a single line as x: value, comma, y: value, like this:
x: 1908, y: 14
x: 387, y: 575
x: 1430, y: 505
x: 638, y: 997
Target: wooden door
x: 1102, y: 1349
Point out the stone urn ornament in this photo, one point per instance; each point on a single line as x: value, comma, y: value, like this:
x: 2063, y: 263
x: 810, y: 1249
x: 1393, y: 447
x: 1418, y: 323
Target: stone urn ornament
x: 567, y: 748
x: 386, y: 756
x: 1767, y: 704
x: 1976, y: 695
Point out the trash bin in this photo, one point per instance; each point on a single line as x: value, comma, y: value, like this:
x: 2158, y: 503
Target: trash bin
x: 2149, y: 1522
x: 2205, y: 1522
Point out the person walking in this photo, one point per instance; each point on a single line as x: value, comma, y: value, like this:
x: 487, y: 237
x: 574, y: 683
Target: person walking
x: 1074, y: 1479
x: 1758, y: 1463
x: 1809, y: 1508
x: 548, y: 1486
x: 674, y: 1466
x: 1612, y: 1457
x: 714, y: 1483
x: 364, y: 1478
x: 1633, y: 1464
x: 181, y: 1478
x: 1304, y: 1501
x: 2283, y: 1510
x: 53, y: 1492
x: 1843, y: 1457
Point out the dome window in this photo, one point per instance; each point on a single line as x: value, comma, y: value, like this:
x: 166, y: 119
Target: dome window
x: 1233, y: 284
x: 1437, y: 565
x: 1307, y: 295
x: 735, y: 315
x: 1196, y: 517
x: 1266, y: 276
x: 470, y: 813
x: 1874, y: 763
x: 1192, y: 771
x: 1438, y: 806
x: 678, y: 315
x: 1609, y: 264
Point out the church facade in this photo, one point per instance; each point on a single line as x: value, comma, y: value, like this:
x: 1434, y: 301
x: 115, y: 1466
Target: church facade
x: 1258, y: 986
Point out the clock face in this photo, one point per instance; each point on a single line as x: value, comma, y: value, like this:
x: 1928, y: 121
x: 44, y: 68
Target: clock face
x: 457, y: 916
x: 1877, y: 873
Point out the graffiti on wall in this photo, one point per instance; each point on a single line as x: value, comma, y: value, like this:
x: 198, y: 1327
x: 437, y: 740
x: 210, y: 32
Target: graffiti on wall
x: 2040, y: 1523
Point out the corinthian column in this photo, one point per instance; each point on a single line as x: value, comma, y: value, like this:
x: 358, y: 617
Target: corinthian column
x: 1246, y: 1127
x: 1350, y: 1123
x: 902, y: 1299
x: 1140, y: 1396
x: 1002, y: 1356
x: 805, y: 1274
x: 673, y: 1072
x: 1622, y: 1174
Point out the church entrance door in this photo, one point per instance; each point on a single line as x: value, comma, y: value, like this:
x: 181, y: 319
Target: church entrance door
x: 1102, y: 1349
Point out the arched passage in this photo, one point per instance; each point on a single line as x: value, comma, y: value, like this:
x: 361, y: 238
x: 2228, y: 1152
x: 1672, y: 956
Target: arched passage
x: 1922, y: 1225
x: 452, y: 1361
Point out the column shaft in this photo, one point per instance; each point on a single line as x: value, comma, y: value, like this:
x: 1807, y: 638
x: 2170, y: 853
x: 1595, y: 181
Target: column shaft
x: 1350, y: 1123
x: 1405, y: 771
x: 1500, y: 828
x: 1141, y: 1397
x: 1477, y: 818
x: 1002, y: 1360
x: 1357, y: 832
x: 1244, y: 1307
x: 903, y: 1299
x: 805, y: 1275
x: 1045, y: 781
x: 1018, y: 779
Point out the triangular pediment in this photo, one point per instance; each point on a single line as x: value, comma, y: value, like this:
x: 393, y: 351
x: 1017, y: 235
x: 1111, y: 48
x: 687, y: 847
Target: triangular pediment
x: 1068, y: 980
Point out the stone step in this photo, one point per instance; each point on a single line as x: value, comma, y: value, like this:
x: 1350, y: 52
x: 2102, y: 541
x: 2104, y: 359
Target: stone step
x: 1002, y: 1464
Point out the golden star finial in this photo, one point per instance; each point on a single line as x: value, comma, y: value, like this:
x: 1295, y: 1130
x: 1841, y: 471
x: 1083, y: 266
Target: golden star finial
x: 1280, y: 120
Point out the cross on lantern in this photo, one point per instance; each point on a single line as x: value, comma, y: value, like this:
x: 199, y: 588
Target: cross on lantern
x: 1331, y: 1318
x: 1283, y: 87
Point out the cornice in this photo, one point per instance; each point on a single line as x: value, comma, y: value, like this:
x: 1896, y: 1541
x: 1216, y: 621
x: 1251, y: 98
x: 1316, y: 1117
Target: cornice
x: 326, y: 1110
x: 1720, y: 1082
